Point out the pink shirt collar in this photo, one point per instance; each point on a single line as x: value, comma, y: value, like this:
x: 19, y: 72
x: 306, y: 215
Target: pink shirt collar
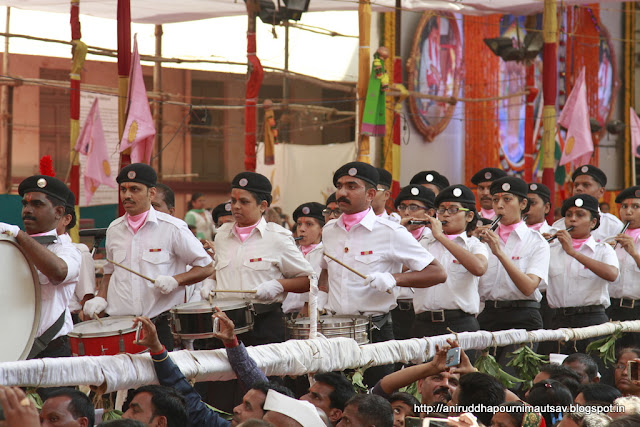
x: 306, y: 249
x: 136, y: 221
x: 452, y: 236
x: 537, y: 226
x: 505, y: 230
x: 244, y: 232
x: 417, y: 232
x: 634, y: 233
x: 487, y: 213
x: 349, y: 220
x: 577, y: 243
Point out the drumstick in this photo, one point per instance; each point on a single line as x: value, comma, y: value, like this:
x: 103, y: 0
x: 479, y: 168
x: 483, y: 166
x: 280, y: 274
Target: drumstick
x: 96, y: 317
x: 238, y: 291
x: 131, y: 271
x: 347, y: 267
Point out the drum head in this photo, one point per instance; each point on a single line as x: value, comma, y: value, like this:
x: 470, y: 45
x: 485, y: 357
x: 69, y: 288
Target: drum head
x: 205, y: 307
x: 109, y: 326
x: 20, y: 302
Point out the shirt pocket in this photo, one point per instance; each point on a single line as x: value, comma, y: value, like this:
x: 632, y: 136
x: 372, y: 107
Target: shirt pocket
x: 259, y: 264
x: 585, y: 273
x: 119, y: 256
x: 156, y: 258
x: 367, y: 259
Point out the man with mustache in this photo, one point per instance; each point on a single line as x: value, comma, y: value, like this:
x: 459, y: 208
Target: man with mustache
x: 375, y: 247
x: 152, y: 243
x: 483, y: 179
x: 57, y: 260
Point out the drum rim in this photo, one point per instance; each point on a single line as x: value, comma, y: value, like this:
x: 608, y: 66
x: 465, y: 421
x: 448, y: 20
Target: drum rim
x: 73, y: 334
x: 179, y: 309
x: 321, y: 319
x: 36, y: 287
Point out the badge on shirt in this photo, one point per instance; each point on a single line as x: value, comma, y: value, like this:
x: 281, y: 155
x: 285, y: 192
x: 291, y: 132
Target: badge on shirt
x: 255, y: 260
x: 366, y: 253
x: 515, y: 258
x: 155, y: 250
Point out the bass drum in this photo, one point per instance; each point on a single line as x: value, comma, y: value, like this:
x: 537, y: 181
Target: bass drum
x: 20, y: 301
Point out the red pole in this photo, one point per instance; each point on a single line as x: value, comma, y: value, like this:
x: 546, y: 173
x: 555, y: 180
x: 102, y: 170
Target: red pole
x: 124, y: 66
x: 528, y: 124
x: 253, y: 88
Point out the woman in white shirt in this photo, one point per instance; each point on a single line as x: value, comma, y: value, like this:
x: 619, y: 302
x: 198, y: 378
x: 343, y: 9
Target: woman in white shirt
x: 455, y: 303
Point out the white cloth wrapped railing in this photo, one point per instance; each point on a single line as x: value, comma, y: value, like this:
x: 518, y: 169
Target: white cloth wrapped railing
x: 294, y: 357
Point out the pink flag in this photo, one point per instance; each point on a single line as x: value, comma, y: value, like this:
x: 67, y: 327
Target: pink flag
x: 635, y: 133
x: 92, y: 144
x: 139, y: 130
x: 575, y: 117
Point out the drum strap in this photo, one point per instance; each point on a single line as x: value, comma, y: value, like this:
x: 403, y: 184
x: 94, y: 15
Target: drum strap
x: 43, y: 340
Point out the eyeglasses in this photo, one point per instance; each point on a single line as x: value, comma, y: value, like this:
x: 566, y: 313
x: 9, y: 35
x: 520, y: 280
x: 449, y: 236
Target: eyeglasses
x: 412, y: 208
x: 452, y: 210
x: 327, y: 212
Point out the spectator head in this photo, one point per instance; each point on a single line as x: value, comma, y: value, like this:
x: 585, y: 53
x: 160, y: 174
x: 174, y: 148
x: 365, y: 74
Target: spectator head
x: 564, y: 374
x: 157, y: 405
x: 70, y: 406
x: 285, y: 411
x: 403, y: 405
x: 626, y: 421
x: 478, y: 388
x: 581, y: 419
x: 438, y: 388
x: 330, y: 392
x: 553, y: 393
x: 252, y: 405
x: 622, y: 382
x: 515, y: 416
x: 584, y: 366
x: 631, y: 406
x: 364, y: 410
x: 164, y: 200
x: 122, y: 423
x: 597, y: 392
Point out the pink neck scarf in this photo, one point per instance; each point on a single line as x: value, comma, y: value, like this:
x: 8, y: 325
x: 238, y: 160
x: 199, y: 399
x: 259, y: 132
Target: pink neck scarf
x: 577, y: 243
x: 452, y: 236
x: 243, y: 232
x: 505, y: 230
x: 417, y: 232
x: 136, y: 221
x: 306, y: 249
x: 536, y: 226
x: 487, y: 213
x: 352, y: 219
x: 634, y: 233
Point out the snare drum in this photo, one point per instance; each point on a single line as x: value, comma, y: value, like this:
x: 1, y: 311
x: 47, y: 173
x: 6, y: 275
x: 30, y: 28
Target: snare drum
x: 356, y: 327
x: 115, y: 335
x: 193, y: 319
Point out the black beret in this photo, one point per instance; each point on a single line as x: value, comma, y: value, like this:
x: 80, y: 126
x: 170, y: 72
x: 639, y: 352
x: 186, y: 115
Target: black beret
x: 223, y: 209
x: 510, y: 184
x: 71, y: 200
x: 45, y: 184
x: 487, y: 174
x: 541, y: 190
x: 138, y: 172
x: 583, y: 201
x: 416, y: 192
x: 385, y: 177
x: 597, y: 174
x: 311, y: 210
x: 252, y: 181
x: 361, y: 170
x: 331, y: 199
x: 430, y: 177
x: 456, y: 193
x: 629, y: 193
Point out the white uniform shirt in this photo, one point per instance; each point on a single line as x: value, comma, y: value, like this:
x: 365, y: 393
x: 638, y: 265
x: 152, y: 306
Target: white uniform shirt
x: 529, y: 252
x: 610, y: 225
x: 391, y: 217
x: 460, y: 291
x: 402, y: 292
x: 628, y: 283
x: 268, y: 253
x: 372, y: 245
x: 87, y: 277
x: 55, y: 297
x: 163, y: 246
x: 545, y: 228
x: 294, y: 302
x: 571, y: 284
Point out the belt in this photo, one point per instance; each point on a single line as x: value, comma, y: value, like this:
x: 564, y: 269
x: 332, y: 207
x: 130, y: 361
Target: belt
x: 266, y: 308
x: 511, y: 304
x: 624, y: 303
x: 405, y: 305
x: 440, y: 316
x: 570, y: 311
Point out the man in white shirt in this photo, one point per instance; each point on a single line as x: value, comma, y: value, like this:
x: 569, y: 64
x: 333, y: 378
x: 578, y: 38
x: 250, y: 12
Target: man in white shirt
x: 152, y: 243
x: 483, y: 179
x: 588, y: 179
x: 379, y: 202
x: 57, y: 261
x: 375, y: 247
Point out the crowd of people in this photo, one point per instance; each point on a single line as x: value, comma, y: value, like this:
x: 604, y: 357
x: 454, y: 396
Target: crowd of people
x: 433, y: 264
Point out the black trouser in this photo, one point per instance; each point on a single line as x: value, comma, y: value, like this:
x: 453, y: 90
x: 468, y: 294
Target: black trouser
x: 381, y: 330
x: 402, y: 319
x: 547, y: 322
x: 58, y: 347
x: 625, y: 309
x: 433, y: 323
x: 268, y: 326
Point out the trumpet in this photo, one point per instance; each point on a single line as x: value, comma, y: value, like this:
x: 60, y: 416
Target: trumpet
x: 494, y: 224
x: 555, y: 236
x: 423, y: 222
x: 626, y: 225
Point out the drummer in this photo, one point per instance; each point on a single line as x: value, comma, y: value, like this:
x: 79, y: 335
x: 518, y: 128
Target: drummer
x: 375, y: 247
x: 253, y: 255
x: 154, y: 244
x: 57, y: 260
x: 309, y: 220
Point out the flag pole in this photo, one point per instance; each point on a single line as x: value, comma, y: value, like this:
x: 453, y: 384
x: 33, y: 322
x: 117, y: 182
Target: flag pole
x: 124, y: 66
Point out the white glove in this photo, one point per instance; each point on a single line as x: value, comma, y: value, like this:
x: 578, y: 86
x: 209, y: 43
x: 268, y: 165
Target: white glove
x: 95, y: 305
x: 11, y: 230
x: 382, y: 282
x: 166, y: 284
x: 322, y: 300
x: 208, y: 285
x: 270, y: 290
